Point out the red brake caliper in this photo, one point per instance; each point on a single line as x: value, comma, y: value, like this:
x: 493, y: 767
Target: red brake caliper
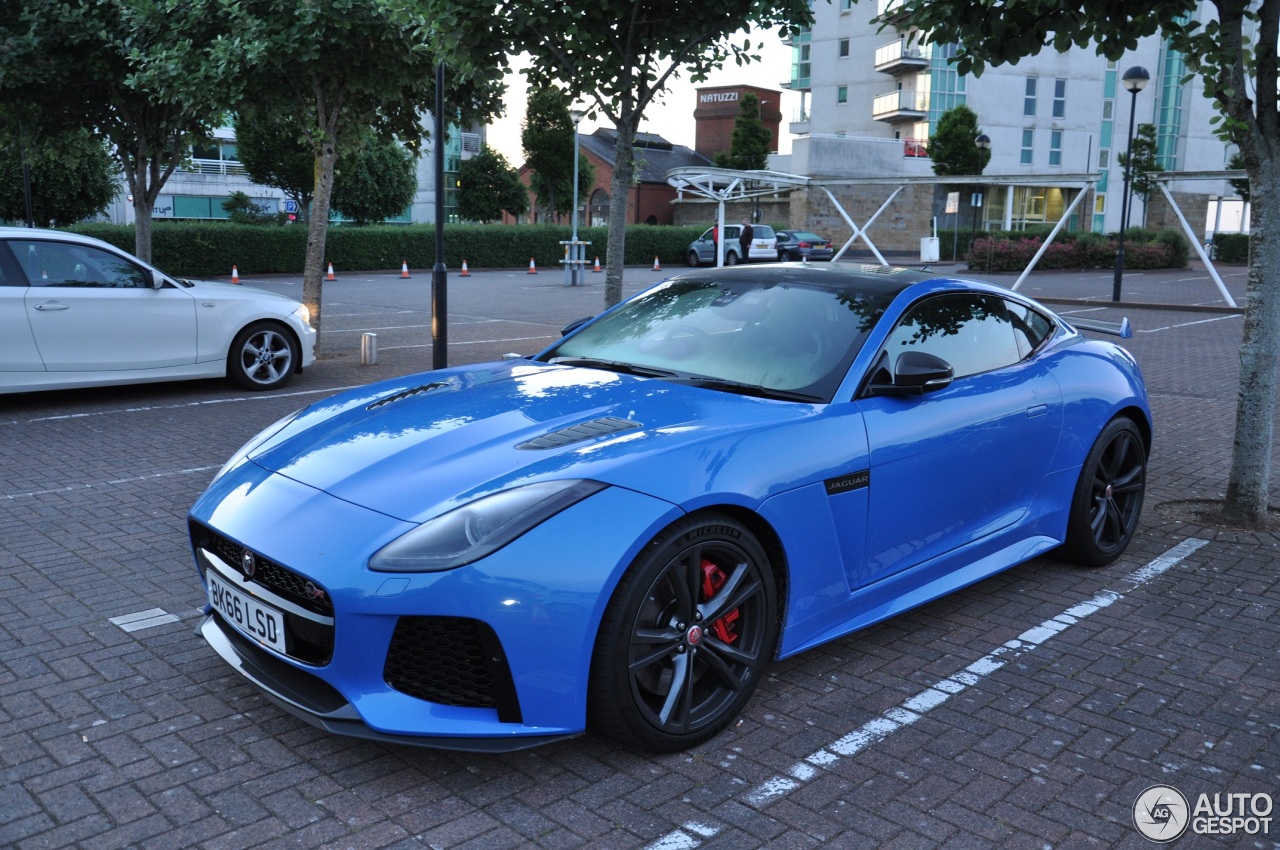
x: 713, y: 578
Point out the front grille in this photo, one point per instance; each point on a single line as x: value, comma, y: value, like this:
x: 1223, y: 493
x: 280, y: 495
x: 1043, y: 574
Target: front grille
x: 452, y: 661
x: 306, y: 640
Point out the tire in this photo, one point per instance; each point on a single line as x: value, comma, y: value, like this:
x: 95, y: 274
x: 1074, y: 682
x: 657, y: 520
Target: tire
x: 263, y: 356
x: 730, y: 258
x: 692, y: 259
x: 1108, y: 497
x: 686, y: 636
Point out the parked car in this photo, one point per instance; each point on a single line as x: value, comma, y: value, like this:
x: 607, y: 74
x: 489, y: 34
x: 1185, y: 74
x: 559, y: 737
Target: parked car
x: 625, y: 529
x: 79, y: 312
x: 702, y: 251
x: 803, y: 245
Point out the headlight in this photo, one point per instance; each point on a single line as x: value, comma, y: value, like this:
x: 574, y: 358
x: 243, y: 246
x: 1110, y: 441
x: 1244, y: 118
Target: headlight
x: 262, y: 436
x: 471, y: 532
x: 303, y: 313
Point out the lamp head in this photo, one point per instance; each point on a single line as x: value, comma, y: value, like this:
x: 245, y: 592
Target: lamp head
x: 577, y: 114
x: 983, y: 141
x: 1135, y: 79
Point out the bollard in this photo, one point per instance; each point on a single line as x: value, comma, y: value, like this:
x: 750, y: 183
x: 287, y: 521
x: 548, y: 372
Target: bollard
x: 368, y: 349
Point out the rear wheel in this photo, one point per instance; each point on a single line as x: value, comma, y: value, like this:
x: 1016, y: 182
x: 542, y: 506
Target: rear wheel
x: 692, y: 259
x: 686, y: 636
x: 730, y: 258
x: 1108, y: 496
x: 262, y: 356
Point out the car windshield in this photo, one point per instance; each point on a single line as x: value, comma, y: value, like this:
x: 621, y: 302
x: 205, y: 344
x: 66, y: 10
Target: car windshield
x: 805, y: 236
x: 781, y: 339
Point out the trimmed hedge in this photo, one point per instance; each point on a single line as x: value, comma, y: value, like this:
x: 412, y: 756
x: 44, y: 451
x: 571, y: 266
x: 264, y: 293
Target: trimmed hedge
x: 209, y: 249
x: 1231, y: 247
x: 1144, y: 249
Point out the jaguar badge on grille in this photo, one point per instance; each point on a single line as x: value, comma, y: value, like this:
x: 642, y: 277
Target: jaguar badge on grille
x: 247, y: 564
x: 314, y: 593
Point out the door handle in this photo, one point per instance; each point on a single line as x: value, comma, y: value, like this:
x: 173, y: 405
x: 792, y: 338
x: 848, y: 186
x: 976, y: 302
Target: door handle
x: 53, y: 306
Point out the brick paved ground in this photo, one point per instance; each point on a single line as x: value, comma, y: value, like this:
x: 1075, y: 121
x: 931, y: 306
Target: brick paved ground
x: 115, y: 738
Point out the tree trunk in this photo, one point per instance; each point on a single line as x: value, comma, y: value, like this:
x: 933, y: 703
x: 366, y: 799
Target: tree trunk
x: 317, y: 231
x: 1248, y: 490
x: 619, y: 194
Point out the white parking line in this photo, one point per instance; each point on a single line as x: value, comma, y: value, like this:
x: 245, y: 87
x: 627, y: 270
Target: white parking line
x: 877, y: 729
x: 1189, y: 324
x: 103, y: 485
x: 234, y: 400
x: 148, y: 619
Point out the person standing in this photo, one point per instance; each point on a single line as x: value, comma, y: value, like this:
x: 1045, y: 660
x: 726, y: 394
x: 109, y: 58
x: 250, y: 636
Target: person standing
x: 744, y: 241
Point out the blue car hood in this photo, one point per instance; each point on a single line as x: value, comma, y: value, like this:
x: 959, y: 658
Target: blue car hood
x: 415, y: 447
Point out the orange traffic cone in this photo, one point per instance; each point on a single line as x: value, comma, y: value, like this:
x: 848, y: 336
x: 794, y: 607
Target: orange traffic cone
x: 597, y: 268
x: 532, y: 268
x: 404, y: 268
x: 465, y: 273
x: 330, y: 276
x: 656, y: 267
x: 235, y: 274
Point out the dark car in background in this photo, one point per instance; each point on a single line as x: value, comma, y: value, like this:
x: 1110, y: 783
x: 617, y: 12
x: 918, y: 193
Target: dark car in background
x: 803, y: 245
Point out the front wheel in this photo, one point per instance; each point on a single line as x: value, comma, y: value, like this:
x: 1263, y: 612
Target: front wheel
x: 262, y: 356
x: 686, y: 636
x: 1108, y: 496
x: 730, y: 258
x: 692, y: 259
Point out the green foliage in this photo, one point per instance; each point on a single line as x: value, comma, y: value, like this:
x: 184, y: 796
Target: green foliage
x: 375, y: 182
x: 752, y: 140
x: 1241, y: 186
x: 243, y: 210
x: 270, y: 145
x: 547, y: 137
x: 72, y: 176
x: 1145, y: 162
x: 953, y: 149
x: 1231, y: 247
x: 209, y: 249
x: 488, y: 186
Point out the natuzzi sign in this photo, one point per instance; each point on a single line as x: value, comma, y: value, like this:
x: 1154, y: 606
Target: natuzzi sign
x: 718, y: 97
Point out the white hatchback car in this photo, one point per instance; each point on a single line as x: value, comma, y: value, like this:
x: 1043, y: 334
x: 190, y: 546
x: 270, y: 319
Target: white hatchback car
x: 79, y: 312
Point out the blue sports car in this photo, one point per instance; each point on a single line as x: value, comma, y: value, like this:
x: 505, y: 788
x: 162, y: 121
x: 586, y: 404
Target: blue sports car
x: 624, y: 529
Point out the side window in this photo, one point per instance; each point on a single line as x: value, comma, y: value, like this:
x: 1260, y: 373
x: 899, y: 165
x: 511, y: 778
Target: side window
x: 1030, y: 328
x: 10, y: 274
x: 970, y: 331
x: 70, y: 264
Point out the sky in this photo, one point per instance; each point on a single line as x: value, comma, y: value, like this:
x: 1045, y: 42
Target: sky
x: 672, y: 116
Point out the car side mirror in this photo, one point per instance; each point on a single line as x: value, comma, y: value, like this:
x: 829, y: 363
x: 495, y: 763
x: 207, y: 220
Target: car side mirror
x: 574, y: 325
x: 157, y: 280
x: 914, y: 373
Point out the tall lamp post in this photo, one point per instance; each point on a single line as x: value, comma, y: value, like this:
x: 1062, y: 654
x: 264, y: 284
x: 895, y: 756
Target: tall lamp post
x: 983, y: 143
x: 575, y: 249
x: 1134, y: 80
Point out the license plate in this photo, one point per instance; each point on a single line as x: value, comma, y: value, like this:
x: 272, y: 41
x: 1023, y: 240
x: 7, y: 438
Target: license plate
x: 251, y: 618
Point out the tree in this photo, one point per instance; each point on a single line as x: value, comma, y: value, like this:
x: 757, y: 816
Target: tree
x: 953, y: 148
x: 1235, y: 57
x: 342, y: 66
x: 91, y: 64
x: 547, y: 137
x: 752, y: 142
x: 72, y: 175
x: 242, y: 210
x: 488, y: 185
x: 270, y: 145
x: 374, y: 182
x: 1145, y: 161
x: 619, y: 54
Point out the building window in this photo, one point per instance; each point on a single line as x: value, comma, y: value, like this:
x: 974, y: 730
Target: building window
x: 1104, y: 160
x: 844, y: 48
x: 1108, y: 109
x: 1055, y: 148
x: 1059, y: 98
x: 1028, y: 138
x: 842, y: 94
x: 846, y: 6
x: 1029, y: 102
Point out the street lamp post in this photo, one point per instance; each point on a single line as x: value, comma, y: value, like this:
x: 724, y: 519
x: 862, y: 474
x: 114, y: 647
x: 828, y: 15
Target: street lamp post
x: 983, y: 143
x: 575, y: 249
x: 1134, y: 80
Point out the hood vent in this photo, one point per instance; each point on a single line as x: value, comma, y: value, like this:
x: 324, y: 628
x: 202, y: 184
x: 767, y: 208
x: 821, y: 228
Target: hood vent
x: 402, y: 395
x: 580, y: 433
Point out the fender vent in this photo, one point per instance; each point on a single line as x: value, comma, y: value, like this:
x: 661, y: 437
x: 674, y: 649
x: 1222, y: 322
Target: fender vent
x: 403, y: 394
x: 580, y: 433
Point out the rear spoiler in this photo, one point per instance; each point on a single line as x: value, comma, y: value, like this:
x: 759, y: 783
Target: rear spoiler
x: 1122, y: 328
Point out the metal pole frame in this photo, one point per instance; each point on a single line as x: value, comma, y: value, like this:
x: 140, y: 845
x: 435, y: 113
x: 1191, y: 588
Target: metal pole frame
x: 1124, y: 198
x: 439, y: 274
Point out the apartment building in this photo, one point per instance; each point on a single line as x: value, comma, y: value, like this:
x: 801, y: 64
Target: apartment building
x: 872, y: 96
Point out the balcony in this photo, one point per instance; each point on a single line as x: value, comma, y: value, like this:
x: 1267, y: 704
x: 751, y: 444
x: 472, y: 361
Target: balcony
x: 212, y: 166
x: 902, y: 105
x: 890, y: 11
x: 799, y: 124
x: 799, y: 77
x: 898, y: 58
x: 915, y: 148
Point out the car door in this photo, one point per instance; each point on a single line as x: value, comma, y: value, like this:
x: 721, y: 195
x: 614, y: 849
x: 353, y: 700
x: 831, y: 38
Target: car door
x: 18, y: 352
x: 92, y: 310
x: 952, y: 466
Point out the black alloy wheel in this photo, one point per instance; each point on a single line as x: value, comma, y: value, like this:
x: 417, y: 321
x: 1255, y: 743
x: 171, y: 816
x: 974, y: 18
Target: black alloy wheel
x: 1108, y: 497
x: 686, y: 637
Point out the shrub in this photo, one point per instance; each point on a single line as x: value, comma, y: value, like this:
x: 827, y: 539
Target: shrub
x: 1231, y: 247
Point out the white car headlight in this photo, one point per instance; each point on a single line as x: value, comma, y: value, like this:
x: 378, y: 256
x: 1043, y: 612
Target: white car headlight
x: 303, y: 313
x: 261, y: 437
x: 480, y: 528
